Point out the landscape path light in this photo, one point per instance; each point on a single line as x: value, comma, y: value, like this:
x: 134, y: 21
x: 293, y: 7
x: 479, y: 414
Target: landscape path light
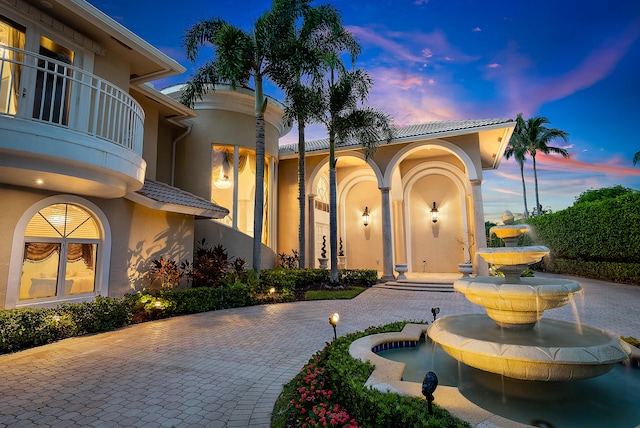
x: 333, y: 320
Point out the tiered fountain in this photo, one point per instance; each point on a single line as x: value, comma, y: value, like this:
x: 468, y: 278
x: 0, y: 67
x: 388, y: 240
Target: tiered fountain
x: 512, y: 339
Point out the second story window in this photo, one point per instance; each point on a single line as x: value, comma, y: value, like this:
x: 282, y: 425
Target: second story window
x: 11, y: 36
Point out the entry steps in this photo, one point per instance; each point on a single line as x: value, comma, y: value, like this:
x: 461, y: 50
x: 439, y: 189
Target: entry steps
x: 420, y: 284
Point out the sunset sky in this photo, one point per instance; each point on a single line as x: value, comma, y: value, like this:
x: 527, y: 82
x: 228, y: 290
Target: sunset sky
x: 575, y: 62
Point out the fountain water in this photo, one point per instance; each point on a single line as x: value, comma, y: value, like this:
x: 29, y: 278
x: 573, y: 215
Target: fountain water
x: 512, y: 339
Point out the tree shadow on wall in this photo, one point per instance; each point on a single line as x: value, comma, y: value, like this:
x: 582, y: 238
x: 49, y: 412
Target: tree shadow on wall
x: 175, y: 242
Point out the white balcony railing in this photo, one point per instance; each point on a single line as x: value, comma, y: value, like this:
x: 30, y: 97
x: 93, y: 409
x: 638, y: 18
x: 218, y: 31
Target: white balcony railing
x: 42, y: 89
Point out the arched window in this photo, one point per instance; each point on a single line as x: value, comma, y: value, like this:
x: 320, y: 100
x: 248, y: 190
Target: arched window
x: 61, y: 245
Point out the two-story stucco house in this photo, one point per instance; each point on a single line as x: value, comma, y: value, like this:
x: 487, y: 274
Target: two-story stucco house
x: 100, y: 173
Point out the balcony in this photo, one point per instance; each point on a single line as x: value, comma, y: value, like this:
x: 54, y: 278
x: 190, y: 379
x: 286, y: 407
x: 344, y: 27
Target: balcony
x: 67, y: 130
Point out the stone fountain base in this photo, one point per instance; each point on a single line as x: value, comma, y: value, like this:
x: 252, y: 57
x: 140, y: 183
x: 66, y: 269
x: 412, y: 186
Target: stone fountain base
x: 517, y: 304
x: 553, y: 351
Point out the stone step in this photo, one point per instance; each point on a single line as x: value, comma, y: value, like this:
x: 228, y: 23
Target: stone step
x: 413, y: 285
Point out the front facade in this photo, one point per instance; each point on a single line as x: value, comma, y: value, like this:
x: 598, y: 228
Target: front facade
x: 100, y: 174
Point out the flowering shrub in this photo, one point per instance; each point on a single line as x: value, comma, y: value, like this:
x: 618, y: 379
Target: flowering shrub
x: 331, y: 391
x: 313, y: 405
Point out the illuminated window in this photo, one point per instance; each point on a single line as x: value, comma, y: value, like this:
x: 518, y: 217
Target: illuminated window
x: 60, y: 253
x: 10, y: 37
x: 233, y: 180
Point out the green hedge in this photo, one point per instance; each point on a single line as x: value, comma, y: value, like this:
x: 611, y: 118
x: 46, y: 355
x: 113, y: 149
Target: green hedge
x: 29, y: 327
x: 603, y: 232
x: 301, y: 278
x: 342, y: 380
x: 609, y: 271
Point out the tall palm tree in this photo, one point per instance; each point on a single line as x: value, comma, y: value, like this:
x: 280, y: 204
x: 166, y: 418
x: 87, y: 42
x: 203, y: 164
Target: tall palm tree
x: 238, y: 56
x: 345, y: 119
x: 636, y: 158
x: 518, y: 150
x: 536, y: 136
x: 320, y: 33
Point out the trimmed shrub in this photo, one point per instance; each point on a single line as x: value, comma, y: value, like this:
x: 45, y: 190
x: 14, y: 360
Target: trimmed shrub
x: 597, y: 238
x: 28, y: 327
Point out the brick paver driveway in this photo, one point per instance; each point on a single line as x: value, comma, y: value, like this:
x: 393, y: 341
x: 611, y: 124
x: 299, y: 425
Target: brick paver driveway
x: 225, y: 368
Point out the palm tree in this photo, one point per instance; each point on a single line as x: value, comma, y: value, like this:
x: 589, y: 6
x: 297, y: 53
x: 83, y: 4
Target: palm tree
x: 518, y: 150
x: 321, y: 33
x: 536, y: 137
x: 239, y: 56
x: 636, y: 158
x: 343, y: 93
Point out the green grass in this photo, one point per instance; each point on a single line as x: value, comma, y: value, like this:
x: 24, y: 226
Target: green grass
x: 349, y: 293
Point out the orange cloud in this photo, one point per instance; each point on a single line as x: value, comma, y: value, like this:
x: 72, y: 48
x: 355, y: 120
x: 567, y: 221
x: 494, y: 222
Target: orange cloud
x: 613, y: 167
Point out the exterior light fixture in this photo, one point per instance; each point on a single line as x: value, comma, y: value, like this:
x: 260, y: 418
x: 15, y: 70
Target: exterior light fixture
x: 272, y: 290
x: 223, y: 181
x: 365, y: 216
x: 157, y: 304
x: 333, y: 320
x: 429, y: 385
x: 434, y: 213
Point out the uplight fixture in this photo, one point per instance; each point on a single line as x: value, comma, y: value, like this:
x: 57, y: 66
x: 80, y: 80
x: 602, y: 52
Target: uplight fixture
x: 434, y: 213
x: 365, y: 216
x: 333, y: 320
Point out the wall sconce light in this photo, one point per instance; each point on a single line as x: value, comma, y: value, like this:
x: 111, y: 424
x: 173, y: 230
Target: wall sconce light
x: 434, y: 213
x: 333, y: 320
x: 365, y: 216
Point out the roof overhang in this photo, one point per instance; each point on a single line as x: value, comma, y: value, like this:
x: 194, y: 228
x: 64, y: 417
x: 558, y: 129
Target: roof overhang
x: 162, y: 197
x: 147, y: 62
x: 493, y: 137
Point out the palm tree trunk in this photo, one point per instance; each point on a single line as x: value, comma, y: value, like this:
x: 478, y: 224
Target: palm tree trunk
x: 301, y: 194
x: 258, y: 207
x: 333, y: 217
x: 524, y: 191
x: 535, y: 179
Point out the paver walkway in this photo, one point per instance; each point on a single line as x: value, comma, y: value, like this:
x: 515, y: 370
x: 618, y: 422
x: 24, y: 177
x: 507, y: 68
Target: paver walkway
x: 226, y: 368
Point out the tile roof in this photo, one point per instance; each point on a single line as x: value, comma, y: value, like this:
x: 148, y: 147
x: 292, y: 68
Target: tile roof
x: 430, y: 129
x: 161, y: 196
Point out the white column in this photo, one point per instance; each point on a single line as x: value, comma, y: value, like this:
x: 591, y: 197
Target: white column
x: 387, y: 245
x: 482, y: 268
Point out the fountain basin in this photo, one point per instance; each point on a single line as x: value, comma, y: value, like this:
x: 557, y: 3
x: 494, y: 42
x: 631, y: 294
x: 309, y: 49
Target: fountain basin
x: 518, y: 305
x: 507, y: 256
x: 553, y: 351
x: 510, y: 230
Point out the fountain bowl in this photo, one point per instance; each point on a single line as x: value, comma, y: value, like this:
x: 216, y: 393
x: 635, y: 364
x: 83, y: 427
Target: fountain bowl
x: 555, y: 352
x: 510, y: 230
x: 507, y: 256
x: 517, y: 305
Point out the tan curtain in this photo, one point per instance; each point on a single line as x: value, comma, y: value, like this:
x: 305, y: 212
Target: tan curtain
x: 39, y: 251
x: 11, y: 67
x: 84, y: 252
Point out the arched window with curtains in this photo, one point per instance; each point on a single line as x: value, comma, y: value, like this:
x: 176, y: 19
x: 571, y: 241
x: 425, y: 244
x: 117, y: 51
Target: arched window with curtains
x: 60, y: 253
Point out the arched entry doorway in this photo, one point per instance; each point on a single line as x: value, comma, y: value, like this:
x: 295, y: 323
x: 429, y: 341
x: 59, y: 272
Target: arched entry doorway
x: 357, y: 188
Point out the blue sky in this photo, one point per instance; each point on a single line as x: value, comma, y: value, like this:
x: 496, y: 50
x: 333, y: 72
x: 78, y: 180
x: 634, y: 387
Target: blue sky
x: 575, y: 62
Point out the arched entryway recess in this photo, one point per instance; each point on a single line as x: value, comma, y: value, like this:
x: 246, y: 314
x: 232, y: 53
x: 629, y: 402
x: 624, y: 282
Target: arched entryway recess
x: 419, y: 175
x: 60, y: 253
x: 358, y: 184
